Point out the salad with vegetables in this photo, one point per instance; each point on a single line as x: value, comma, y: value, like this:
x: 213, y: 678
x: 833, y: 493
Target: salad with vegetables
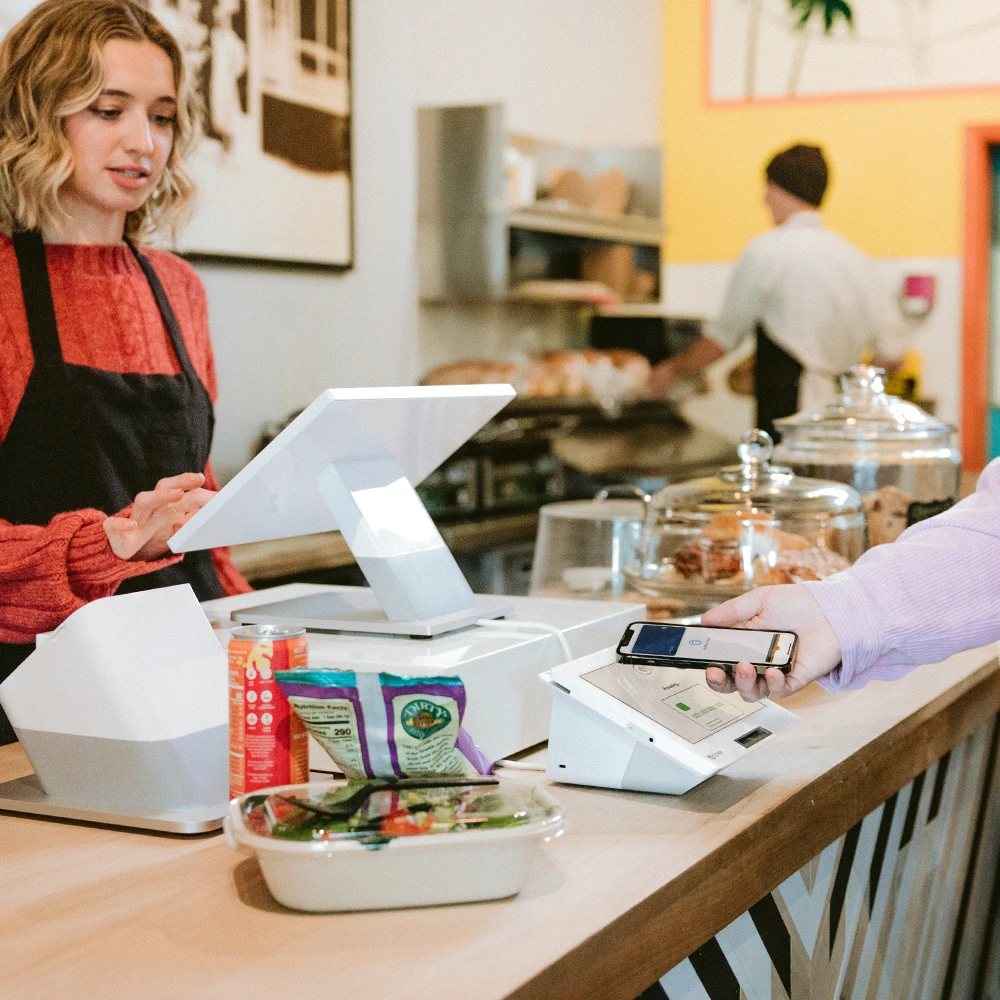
x: 375, y: 812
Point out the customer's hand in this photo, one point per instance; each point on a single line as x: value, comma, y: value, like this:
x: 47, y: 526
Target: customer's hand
x: 662, y: 378
x: 791, y: 608
x: 155, y: 516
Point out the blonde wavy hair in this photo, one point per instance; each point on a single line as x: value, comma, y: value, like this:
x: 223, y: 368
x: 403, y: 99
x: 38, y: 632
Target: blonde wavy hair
x: 51, y: 67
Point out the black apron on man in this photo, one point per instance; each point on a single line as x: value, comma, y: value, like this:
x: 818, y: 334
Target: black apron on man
x: 776, y: 382
x: 84, y: 437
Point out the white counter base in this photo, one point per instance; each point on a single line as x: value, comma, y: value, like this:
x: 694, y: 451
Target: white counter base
x: 508, y: 707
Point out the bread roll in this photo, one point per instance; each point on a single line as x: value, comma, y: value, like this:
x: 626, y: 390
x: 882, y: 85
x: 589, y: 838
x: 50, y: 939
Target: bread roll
x: 727, y: 527
x: 619, y: 373
x: 801, y: 566
x: 473, y: 373
x: 566, y: 372
x: 886, y: 514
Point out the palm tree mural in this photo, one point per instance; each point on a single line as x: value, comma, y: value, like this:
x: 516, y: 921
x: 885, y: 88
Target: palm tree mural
x: 829, y: 9
x: 804, y: 13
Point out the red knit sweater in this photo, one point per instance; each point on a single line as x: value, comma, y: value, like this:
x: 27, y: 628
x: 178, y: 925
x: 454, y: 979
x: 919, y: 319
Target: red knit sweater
x: 107, y: 319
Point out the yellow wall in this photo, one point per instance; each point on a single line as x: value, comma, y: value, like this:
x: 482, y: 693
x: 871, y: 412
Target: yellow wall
x: 897, y: 162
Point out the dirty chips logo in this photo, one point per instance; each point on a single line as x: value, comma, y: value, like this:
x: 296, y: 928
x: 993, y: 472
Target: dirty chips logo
x: 423, y: 718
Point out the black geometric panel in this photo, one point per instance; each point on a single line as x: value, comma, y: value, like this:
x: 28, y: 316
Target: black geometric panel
x: 911, y: 812
x: 820, y: 936
x: 778, y: 942
x: 715, y: 972
x: 654, y: 992
x: 881, y: 843
x: 939, y: 778
x: 839, y: 892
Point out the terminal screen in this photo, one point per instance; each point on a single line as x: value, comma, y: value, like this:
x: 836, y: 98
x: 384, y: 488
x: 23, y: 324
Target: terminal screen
x: 671, y: 698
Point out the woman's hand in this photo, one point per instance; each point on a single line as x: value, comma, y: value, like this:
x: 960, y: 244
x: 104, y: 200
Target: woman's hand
x: 791, y: 608
x: 155, y: 516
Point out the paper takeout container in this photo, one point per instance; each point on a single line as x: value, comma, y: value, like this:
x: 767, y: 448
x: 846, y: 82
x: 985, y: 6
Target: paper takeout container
x: 343, y: 874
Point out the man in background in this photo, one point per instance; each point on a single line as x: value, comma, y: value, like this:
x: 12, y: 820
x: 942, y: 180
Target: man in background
x: 812, y: 300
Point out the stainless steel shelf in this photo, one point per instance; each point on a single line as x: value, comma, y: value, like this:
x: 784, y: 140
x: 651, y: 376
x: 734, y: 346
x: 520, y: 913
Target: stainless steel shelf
x: 637, y: 229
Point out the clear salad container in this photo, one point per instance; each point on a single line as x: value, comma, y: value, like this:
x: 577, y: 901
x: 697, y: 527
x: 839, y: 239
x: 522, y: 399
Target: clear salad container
x: 901, y: 460
x: 338, y: 845
x: 583, y: 546
x: 753, y: 524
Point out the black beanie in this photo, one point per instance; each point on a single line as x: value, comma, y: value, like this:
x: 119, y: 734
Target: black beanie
x: 800, y: 170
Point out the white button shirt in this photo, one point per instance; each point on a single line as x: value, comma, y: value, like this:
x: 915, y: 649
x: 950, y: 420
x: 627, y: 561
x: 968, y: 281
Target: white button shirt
x: 817, y: 296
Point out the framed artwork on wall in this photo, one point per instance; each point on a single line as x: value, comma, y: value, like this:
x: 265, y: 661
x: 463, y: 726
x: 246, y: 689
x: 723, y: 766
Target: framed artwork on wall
x: 273, y: 163
x: 788, y: 50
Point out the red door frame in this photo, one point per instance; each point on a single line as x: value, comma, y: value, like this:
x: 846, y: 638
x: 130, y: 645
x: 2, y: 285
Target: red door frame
x: 976, y: 293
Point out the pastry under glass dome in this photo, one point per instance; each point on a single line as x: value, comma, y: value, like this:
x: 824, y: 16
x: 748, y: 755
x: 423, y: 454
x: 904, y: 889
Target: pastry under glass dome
x: 752, y: 524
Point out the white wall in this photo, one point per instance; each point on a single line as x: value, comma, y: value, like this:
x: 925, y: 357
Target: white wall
x: 585, y: 72
x: 282, y: 335
x: 581, y: 72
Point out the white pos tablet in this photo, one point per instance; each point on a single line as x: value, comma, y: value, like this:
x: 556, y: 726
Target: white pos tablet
x: 351, y: 461
x: 649, y: 729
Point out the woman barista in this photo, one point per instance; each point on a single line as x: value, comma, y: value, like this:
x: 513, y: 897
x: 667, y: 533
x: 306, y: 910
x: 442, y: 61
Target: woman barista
x: 106, y: 375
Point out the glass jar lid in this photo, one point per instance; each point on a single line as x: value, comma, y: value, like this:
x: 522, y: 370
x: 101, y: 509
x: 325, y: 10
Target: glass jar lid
x: 863, y: 411
x: 756, y: 485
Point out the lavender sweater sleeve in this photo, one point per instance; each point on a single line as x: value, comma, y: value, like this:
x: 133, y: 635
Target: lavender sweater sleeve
x: 932, y: 592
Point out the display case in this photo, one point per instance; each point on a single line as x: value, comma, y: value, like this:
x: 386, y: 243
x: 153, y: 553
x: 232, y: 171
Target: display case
x: 753, y: 524
x: 583, y: 546
x: 899, y: 458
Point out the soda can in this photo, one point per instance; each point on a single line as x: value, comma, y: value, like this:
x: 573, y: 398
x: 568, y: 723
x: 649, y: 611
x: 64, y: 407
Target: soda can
x: 268, y: 743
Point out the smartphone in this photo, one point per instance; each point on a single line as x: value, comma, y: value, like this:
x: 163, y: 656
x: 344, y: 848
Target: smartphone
x: 700, y: 646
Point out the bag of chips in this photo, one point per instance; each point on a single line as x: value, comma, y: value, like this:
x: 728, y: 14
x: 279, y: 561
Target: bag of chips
x: 383, y: 726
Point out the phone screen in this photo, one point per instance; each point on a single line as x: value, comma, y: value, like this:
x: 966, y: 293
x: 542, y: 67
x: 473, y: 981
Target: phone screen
x: 715, y: 645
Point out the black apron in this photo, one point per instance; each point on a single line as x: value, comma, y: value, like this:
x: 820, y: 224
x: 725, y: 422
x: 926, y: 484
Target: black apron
x: 85, y: 437
x: 776, y: 383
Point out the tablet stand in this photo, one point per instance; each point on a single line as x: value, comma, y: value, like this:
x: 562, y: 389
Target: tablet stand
x: 417, y: 588
x: 585, y: 748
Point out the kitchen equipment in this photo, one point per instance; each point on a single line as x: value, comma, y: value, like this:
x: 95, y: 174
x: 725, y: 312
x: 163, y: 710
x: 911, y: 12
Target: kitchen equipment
x: 710, y: 539
x: 650, y: 441
x: 654, y: 336
x: 342, y: 874
x: 583, y: 545
x: 649, y: 729
x: 900, y: 458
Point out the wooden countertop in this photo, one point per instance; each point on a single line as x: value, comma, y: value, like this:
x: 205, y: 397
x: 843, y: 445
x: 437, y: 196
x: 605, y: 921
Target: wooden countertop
x: 637, y: 883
